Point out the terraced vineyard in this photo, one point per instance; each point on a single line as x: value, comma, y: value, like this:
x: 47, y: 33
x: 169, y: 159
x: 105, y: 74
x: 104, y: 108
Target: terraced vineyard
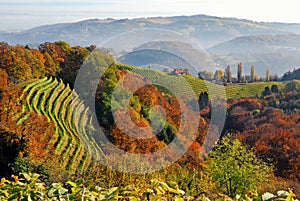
x: 55, y: 100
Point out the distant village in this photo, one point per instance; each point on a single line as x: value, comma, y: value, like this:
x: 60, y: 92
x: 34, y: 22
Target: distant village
x: 226, y: 77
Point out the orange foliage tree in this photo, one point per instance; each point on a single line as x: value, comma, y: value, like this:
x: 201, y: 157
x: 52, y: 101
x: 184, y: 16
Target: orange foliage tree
x: 29, y: 138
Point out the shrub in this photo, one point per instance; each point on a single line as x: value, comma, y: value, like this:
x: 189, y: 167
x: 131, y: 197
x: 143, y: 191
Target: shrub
x: 234, y: 168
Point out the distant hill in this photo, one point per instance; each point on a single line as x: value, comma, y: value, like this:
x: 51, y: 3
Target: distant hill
x: 169, y: 55
x: 208, y: 30
x: 295, y: 75
x: 278, y: 52
x: 228, y: 41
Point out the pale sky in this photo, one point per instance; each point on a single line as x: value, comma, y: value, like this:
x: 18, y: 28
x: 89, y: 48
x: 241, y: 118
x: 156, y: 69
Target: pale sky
x: 19, y: 15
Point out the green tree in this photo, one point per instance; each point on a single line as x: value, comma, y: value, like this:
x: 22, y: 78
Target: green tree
x: 104, y: 93
x: 234, y: 168
x: 167, y: 134
x: 266, y: 92
x: 205, y: 75
x: 203, y: 100
x: 292, y: 86
x: 274, y: 88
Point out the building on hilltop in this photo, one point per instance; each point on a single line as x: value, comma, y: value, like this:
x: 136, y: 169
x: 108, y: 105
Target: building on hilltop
x: 179, y: 71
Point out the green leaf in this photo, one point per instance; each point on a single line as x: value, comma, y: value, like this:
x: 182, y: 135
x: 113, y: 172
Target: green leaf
x: 132, y: 198
x: 159, y: 190
x: 40, y: 185
x: 73, y: 184
x: 177, y: 198
x: 29, y: 198
x: 26, y: 176
x: 290, y: 197
x: 6, y: 194
x: 157, y: 199
x: 112, y: 190
x: 56, y: 189
x: 13, y: 197
x: 5, y: 181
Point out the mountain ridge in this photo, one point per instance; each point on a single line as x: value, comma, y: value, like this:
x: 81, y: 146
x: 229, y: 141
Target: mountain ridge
x: 228, y: 40
x: 209, y: 30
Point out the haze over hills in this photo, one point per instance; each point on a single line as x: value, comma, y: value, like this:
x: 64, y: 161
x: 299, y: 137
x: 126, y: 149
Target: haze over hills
x: 228, y: 40
x: 279, y: 52
x: 169, y: 55
x: 208, y: 30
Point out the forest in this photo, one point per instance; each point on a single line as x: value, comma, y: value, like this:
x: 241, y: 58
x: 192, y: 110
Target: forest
x: 50, y: 148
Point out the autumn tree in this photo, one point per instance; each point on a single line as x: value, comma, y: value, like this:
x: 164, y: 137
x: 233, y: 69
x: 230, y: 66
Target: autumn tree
x: 274, y: 138
x: 22, y: 63
x: 269, y: 131
x: 74, y: 59
x: 252, y: 76
x: 56, y: 53
x: 219, y: 75
x: 26, y: 139
x: 267, y: 74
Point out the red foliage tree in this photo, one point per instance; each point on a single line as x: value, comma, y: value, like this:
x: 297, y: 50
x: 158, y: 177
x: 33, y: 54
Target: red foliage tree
x: 30, y: 139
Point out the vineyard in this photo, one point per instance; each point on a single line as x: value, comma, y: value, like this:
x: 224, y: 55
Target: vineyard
x: 182, y: 86
x: 49, y: 138
x: 73, y: 123
x: 55, y: 100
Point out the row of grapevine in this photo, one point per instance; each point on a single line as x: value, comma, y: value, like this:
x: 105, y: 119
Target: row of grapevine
x: 73, y: 144
x: 251, y: 89
x: 178, y: 85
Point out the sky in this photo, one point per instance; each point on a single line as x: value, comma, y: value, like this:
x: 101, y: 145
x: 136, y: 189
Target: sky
x: 18, y: 15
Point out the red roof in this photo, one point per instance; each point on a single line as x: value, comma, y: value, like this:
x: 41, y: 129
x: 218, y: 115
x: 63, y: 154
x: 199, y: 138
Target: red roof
x: 179, y: 71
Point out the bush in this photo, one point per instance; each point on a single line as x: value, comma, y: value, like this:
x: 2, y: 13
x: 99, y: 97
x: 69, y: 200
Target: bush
x: 234, y: 168
x: 28, y: 187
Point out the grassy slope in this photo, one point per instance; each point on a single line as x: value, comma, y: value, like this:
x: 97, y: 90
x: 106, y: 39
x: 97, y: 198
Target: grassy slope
x: 176, y: 83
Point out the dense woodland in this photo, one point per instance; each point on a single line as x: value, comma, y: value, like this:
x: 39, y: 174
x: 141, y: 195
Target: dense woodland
x: 259, y: 149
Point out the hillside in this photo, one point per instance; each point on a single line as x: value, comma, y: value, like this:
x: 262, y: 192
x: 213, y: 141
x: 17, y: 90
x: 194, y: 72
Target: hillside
x: 227, y: 40
x: 208, y: 30
x: 278, y: 52
x: 152, y: 125
x: 169, y: 55
x: 199, y: 86
x: 72, y: 143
